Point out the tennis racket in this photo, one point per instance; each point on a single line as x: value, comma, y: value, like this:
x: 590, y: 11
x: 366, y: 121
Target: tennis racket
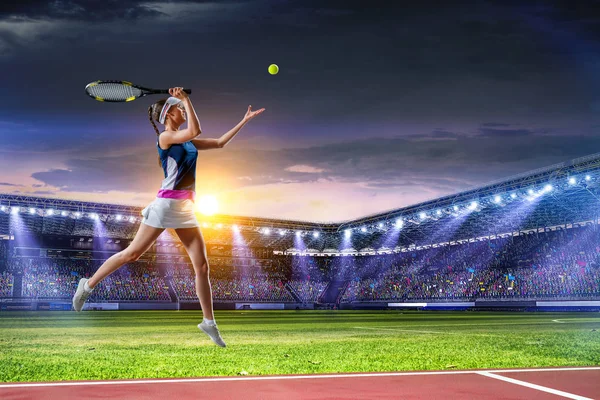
x: 121, y: 91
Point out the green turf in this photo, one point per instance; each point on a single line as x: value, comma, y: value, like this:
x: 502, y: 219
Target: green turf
x: 49, y: 346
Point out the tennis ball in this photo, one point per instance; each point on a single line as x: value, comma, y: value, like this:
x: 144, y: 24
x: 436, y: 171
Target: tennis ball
x: 273, y: 69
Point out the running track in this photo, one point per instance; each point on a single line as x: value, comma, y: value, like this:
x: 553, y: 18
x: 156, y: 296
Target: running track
x: 546, y: 383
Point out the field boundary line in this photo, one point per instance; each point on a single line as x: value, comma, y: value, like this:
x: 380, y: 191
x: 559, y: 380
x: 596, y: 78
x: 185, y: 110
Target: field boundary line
x: 288, y: 377
x: 534, y: 386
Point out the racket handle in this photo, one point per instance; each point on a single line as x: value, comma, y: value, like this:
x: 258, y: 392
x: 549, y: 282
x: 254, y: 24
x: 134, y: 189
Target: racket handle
x: 165, y: 91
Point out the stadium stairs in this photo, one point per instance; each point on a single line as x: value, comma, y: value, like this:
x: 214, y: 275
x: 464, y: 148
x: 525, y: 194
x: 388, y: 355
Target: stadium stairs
x: 172, y: 293
x: 17, y: 285
x: 333, y: 292
x: 293, y: 293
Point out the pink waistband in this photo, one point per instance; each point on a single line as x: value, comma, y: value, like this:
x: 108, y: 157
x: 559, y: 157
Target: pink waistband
x: 176, y: 194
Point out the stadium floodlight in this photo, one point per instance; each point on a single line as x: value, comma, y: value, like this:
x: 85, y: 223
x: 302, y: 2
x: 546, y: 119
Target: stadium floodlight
x: 119, y: 217
x: 363, y: 229
x: 348, y: 232
x: 380, y: 225
x: 31, y: 210
x: 3, y: 208
x: 439, y: 212
x: 267, y: 231
x: 298, y: 233
x: 236, y: 228
x: 497, y: 199
x: 422, y: 215
x: 94, y: 216
x: 281, y: 232
x: 572, y: 181
x: 473, y: 205
x: 548, y: 188
x: 15, y: 210
x: 50, y: 212
x: 132, y: 219
x: 219, y: 226
x: 513, y: 195
x: 455, y: 208
x: 316, y: 234
x: 588, y: 178
x: 530, y: 191
x: 77, y: 214
x: 399, y: 223
x: 64, y: 213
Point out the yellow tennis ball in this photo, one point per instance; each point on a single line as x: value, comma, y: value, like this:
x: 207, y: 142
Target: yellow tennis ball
x: 273, y: 69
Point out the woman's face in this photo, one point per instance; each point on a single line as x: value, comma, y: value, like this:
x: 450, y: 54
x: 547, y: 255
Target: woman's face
x: 177, y: 113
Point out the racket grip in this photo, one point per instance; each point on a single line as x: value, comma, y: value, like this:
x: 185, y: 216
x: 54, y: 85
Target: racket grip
x: 188, y: 91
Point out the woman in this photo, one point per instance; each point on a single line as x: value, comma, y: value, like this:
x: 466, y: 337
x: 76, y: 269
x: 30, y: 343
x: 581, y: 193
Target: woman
x: 174, y: 204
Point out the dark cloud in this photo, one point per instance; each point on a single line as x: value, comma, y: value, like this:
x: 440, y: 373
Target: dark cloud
x: 494, y: 125
x: 505, y: 132
x: 8, y: 184
x: 79, y: 10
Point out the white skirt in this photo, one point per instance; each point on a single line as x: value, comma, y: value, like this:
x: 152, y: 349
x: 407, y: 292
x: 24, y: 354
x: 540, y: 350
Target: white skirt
x: 170, y: 213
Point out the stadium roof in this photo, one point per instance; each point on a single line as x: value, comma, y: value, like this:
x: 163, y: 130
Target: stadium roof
x: 557, y: 194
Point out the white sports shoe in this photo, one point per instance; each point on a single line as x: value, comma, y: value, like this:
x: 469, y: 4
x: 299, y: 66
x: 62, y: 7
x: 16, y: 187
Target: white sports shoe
x: 213, y: 332
x: 81, y: 295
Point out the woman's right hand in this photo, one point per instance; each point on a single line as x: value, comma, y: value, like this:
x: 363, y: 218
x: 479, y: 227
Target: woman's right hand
x: 178, y: 92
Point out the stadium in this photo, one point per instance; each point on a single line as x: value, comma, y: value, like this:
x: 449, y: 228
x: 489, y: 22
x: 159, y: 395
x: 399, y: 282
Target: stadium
x: 502, y: 276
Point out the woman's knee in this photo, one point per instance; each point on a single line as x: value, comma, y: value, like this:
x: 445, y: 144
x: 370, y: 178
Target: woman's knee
x: 202, y: 268
x: 130, y: 255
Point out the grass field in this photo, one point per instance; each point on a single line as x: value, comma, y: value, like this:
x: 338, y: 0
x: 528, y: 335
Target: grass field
x: 51, y: 346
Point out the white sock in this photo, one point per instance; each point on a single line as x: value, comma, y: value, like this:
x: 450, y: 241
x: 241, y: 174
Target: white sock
x: 87, y: 287
x: 210, y: 322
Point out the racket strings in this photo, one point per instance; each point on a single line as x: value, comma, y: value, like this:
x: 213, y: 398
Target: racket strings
x: 114, y: 91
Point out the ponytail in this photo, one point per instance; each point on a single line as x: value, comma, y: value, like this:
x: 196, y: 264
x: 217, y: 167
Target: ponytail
x: 153, y: 112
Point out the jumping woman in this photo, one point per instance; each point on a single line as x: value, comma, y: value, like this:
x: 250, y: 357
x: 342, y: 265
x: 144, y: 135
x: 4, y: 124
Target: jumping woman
x: 174, y: 203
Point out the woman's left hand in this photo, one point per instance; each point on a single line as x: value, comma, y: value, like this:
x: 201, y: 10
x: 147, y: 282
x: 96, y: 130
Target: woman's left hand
x: 251, y: 114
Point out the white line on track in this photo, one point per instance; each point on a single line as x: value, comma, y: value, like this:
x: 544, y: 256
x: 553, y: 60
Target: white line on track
x: 534, y: 386
x: 558, y: 321
x: 286, y: 377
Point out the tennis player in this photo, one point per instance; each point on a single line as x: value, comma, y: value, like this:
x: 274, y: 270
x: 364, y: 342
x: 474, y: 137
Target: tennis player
x: 174, y: 204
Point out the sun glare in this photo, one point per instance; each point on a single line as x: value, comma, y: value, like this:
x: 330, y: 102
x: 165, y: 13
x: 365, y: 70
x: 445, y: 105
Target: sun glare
x: 207, y: 205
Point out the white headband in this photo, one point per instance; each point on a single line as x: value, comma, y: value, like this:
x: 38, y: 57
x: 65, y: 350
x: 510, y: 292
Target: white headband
x: 171, y: 101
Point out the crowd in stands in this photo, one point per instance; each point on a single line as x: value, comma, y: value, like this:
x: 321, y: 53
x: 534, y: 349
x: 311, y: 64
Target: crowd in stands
x: 6, y: 284
x: 45, y: 278
x: 562, y: 264
x: 307, y: 291
x: 556, y: 264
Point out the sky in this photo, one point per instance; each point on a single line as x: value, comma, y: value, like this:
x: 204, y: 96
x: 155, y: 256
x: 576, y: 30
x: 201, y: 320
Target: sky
x: 377, y: 104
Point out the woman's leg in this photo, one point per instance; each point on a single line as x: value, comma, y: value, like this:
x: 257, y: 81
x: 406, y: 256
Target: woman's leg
x: 192, y: 240
x: 144, y: 238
